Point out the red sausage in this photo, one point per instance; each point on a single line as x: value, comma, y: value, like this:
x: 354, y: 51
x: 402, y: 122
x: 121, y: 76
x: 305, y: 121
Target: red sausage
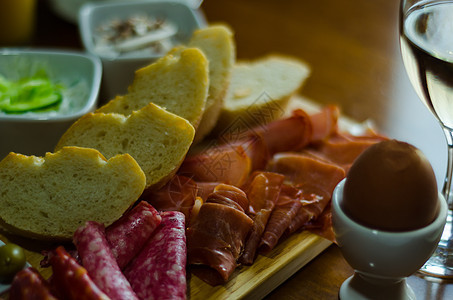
x: 98, y: 259
x: 159, y: 271
x: 71, y: 279
x: 29, y: 284
x: 128, y: 235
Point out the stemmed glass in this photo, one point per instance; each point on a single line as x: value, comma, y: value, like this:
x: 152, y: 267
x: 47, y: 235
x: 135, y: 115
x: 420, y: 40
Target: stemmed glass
x: 426, y: 39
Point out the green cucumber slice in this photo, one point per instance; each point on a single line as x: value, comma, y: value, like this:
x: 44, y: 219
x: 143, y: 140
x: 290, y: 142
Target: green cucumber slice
x: 28, y: 94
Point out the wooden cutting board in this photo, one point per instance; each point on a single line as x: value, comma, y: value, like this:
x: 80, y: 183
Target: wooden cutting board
x: 266, y: 273
x: 247, y: 282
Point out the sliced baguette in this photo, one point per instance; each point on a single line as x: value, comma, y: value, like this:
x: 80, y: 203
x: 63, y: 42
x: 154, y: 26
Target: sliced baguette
x: 179, y: 83
x: 50, y: 197
x: 217, y: 43
x: 156, y: 138
x: 260, y: 90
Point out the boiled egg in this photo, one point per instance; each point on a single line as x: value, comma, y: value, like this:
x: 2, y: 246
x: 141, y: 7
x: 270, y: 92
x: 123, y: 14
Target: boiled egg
x: 392, y: 187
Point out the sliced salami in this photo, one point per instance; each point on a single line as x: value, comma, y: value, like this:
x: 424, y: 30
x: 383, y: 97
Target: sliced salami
x: 128, y: 235
x: 98, y: 259
x: 159, y: 271
x: 29, y: 284
x: 71, y: 280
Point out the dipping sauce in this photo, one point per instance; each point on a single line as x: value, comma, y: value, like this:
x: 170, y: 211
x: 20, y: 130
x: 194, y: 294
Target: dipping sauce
x: 139, y: 34
x: 391, y: 186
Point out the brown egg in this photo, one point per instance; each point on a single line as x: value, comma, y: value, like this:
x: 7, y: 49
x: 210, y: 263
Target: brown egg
x: 391, y: 186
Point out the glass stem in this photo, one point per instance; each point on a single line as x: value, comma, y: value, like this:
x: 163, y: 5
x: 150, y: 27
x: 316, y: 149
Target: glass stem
x: 449, y: 176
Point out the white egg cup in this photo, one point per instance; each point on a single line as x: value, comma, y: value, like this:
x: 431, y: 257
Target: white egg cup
x: 382, y: 259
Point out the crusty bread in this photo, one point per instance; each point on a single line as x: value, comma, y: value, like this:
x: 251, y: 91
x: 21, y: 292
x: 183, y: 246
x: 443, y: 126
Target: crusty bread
x: 49, y: 197
x: 156, y: 138
x: 217, y: 43
x: 179, y: 83
x: 259, y: 91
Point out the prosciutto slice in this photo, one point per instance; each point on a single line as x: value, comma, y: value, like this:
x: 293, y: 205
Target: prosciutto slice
x: 216, y: 238
x: 178, y: 194
x: 206, y: 188
x: 314, y: 202
x: 226, y: 163
x: 263, y: 192
x: 288, y: 206
x: 159, y: 271
x: 316, y: 178
x: 324, y: 123
x: 290, y: 134
x: 343, y: 148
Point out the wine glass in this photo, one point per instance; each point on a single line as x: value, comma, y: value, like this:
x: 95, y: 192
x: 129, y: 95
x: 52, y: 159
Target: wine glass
x: 426, y: 40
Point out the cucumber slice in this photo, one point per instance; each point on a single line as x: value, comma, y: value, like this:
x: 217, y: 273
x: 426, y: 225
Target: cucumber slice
x: 28, y: 94
x: 35, y: 103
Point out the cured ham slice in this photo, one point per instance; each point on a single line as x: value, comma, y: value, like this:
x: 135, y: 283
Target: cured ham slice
x: 314, y: 201
x: 302, y: 170
x: 29, y: 284
x: 263, y: 192
x: 288, y: 206
x: 217, y: 236
x: 71, y: 280
x: 129, y: 233
x: 159, y: 271
x: 344, y: 148
x: 316, y: 178
x: 98, y: 259
x: 178, y: 194
x: 324, y: 123
x: 290, y: 134
x: 236, y: 155
x: 231, y: 196
x: 227, y: 163
x: 322, y: 226
x: 206, y: 188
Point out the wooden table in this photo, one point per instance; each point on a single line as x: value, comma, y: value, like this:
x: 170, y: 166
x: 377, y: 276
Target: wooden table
x: 352, y: 48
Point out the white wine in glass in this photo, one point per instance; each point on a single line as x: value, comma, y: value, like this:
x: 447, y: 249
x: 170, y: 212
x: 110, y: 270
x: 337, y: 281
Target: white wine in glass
x: 426, y: 39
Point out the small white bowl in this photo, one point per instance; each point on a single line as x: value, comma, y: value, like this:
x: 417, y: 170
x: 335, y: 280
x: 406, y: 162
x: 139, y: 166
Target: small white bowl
x: 382, y: 259
x: 119, y: 70
x: 35, y: 133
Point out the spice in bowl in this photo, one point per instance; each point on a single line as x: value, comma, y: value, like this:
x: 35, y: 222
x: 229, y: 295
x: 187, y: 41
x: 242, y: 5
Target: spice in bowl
x: 139, y: 34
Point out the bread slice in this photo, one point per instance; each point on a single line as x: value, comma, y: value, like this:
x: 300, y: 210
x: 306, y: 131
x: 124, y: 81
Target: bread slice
x: 217, y: 43
x: 50, y: 197
x: 179, y: 83
x: 260, y: 91
x: 156, y: 138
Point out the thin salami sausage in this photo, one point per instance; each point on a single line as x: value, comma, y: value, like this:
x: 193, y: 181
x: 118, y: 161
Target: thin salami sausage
x: 128, y: 235
x: 29, y: 284
x: 159, y: 271
x: 98, y: 259
x: 71, y: 279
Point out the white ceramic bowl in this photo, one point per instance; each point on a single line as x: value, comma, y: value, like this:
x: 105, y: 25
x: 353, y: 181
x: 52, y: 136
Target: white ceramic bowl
x: 384, y: 253
x: 119, y: 71
x: 69, y: 9
x: 34, y: 133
